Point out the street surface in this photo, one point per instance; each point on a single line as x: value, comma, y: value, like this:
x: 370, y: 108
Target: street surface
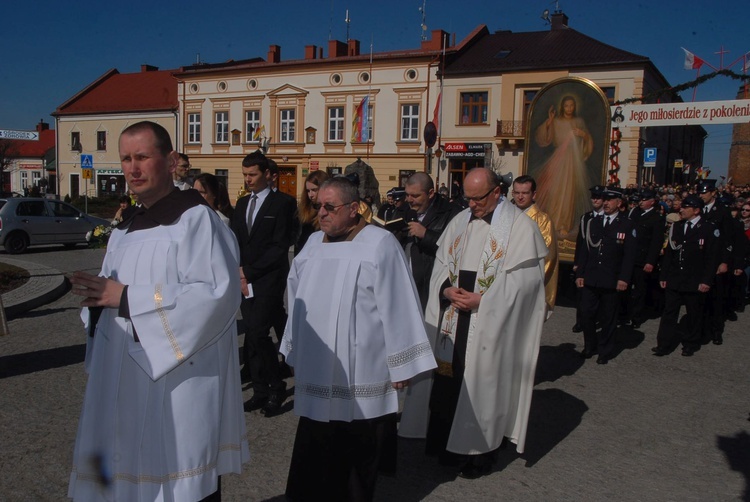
x: 640, y: 428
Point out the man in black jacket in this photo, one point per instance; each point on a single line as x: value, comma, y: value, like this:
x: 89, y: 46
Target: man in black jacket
x: 604, y: 266
x: 263, y: 224
x: 427, y: 217
x: 649, y: 225
x: 688, y: 272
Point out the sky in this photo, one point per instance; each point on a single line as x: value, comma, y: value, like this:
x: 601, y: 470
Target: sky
x: 52, y: 49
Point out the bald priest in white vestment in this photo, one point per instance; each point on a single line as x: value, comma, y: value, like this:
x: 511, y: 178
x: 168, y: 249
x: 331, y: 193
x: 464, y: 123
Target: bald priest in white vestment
x: 355, y: 335
x: 162, y: 414
x: 485, y: 317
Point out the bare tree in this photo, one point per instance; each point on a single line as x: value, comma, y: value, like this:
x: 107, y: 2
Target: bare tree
x: 8, y: 151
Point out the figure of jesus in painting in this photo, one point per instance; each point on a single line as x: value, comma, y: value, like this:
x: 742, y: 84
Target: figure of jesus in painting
x: 563, y: 179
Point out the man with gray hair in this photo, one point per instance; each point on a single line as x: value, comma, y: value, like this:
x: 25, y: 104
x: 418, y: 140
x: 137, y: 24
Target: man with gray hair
x: 485, y: 313
x: 427, y: 216
x: 354, y: 336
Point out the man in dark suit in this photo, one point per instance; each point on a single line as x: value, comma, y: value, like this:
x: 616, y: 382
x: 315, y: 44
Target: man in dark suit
x: 428, y: 215
x: 604, y: 266
x: 719, y: 215
x: 584, y: 230
x: 688, y: 271
x: 649, y: 226
x: 262, y: 222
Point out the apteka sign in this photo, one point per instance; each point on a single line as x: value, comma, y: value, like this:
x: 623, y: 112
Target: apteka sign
x: 674, y: 114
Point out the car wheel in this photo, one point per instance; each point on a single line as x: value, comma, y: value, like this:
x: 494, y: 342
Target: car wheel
x: 16, y: 243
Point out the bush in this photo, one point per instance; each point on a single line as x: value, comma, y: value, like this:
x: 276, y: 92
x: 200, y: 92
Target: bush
x: 103, y: 207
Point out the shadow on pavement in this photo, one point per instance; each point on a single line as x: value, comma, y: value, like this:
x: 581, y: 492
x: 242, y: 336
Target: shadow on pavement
x: 556, y: 362
x: 40, y: 360
x: 45, y: 312
x: 554, y: 415
x: 737, y: 451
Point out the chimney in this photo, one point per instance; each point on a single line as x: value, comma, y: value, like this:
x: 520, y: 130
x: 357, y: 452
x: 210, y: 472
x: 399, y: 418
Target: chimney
x: 353, y: 47
x: 436, y: 42
x: 559, y: 20
x: 42, y: 126
x: 311, y: 51
x: 274, y: 53
x: 148, y: 67
x: 336, y: 49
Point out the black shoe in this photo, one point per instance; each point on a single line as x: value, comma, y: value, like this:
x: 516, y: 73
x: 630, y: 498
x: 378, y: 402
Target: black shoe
x: 688, y: 352
x: 731, y: 316
x: 256, y: 402
x: 273, y: 405
x: 659, y: 352
x: 635, y: 324
x: 601, y: 360
x: 587, y: 354
x: 577, y: 328
x: 471, y: 471
x: 717, y: 341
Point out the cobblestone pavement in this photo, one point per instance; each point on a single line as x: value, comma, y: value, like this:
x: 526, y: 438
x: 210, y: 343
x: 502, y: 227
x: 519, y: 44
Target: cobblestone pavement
x: 641, y: 428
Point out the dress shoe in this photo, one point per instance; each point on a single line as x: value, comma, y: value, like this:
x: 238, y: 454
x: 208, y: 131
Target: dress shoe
x: 577, y: 328
x: 688, y: 352
x: 717, y: 341
x: 256, y: 402
x: 587, y: 354
x: 731, y: 316
x: 471, y: 471
x: 601, y: 360
x: 659, y: 352
x: 273, y: 405
x: 635, y: 324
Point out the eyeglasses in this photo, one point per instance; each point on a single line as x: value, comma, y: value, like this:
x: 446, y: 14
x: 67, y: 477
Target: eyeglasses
x: 745, y: 210
x: 330, y: 208
x: 480, y: 199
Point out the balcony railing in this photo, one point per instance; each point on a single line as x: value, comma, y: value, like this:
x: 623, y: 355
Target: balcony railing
x: 510, y: 128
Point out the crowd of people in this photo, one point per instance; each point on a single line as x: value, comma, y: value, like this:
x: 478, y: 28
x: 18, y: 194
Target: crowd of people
x: 412, y: 302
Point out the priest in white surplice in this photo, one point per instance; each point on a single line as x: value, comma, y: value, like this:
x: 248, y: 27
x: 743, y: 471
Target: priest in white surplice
x: 485, y: 317
x: 162, y: 415
x: 354, y: 336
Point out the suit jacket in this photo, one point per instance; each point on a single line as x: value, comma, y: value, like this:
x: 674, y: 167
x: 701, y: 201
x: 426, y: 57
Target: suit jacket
x: 691, y: 259
x: 720, y: 216
x: 264, y: 253
x: 650, y: 235
x: 609, y: 255
x: 422, y: 251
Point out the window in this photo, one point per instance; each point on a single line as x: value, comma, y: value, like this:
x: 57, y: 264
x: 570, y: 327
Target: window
x: 369, y: 123
x: 336, y: 123
x: 528, y: 97
x: 287, y: 126
x: 194, y: 127
x: 36, y: 177
x: 75, y: 140
x: 63, y: 210
x: 610, y: 93
x: 252, y: 123
x: 410, y: 122
x: 473, y: 108
x: 222, y: 175
x: 24, y: 179
x: 101, y: 140
x: 32, y: 208
x: 222, y: 127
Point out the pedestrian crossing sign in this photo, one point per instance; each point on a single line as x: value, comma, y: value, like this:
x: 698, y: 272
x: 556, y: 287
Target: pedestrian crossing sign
x: 87, y: 161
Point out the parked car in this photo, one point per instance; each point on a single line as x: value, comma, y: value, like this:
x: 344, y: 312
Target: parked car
x: 29, y: 221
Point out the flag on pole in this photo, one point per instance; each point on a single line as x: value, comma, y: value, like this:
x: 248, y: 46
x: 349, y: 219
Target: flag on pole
x: 692, y: 62
x: 436, y: 114
x: 259, y: 131
x: 360, y: 133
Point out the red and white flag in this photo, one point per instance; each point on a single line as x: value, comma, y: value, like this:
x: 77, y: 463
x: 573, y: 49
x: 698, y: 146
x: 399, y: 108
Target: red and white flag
x: 436, y: 113
x: 692, y: 62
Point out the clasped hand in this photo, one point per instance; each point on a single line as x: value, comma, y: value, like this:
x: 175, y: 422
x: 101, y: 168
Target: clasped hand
x: 98, y: 291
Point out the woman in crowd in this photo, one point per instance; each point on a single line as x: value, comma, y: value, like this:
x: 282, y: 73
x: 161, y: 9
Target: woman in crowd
x: 308, y: 208
x: 124, y: 204
x: 216, y: 195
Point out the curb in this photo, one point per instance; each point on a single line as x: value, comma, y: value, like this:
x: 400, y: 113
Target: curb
x: 45, y: 284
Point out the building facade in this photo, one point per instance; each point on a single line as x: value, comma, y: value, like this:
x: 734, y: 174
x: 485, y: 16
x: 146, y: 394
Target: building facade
x: 30, y: 163
x: 90, y: 123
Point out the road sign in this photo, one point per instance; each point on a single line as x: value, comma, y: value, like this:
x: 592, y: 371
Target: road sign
x: 87, y: 174
x: 678, y: 163
x: 649, y: 157
x: 27, y: 135
x: 87, y: 161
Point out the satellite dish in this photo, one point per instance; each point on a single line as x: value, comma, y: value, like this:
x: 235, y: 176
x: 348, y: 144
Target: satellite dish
x: 545, y: 15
